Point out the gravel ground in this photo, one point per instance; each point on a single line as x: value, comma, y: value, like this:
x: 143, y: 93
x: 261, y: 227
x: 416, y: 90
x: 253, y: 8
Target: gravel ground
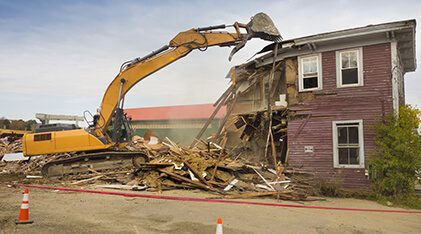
x: 70, y: 212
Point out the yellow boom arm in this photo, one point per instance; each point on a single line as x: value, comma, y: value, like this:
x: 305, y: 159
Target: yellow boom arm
x: 98, y: 136
x: 138, y: 69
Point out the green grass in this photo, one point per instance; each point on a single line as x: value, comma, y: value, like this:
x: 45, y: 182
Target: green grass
x: 411, y: 202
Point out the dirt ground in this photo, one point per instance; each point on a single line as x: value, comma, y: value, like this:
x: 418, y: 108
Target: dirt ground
x: 70, y: 212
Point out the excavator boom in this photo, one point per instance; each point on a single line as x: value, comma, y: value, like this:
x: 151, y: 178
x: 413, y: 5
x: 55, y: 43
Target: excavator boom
x: 260, y: 26
x: 109, y: 129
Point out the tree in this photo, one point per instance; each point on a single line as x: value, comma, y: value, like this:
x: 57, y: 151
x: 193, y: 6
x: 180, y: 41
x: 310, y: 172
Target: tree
x: 30, y: 125
x: 17, y: 125
x: 4, y: 123
x: 398, y: 153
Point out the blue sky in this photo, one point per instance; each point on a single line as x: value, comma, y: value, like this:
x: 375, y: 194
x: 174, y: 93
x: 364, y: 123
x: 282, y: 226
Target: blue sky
x: 59, y: 56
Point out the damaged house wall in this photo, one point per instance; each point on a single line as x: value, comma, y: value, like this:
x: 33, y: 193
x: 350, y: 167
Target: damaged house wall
x: 327, y: 130
x: 247, y: 125
x: 312, y: 124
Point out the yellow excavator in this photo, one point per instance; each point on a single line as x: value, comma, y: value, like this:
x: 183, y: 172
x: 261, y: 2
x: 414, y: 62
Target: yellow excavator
x: 101, y: 145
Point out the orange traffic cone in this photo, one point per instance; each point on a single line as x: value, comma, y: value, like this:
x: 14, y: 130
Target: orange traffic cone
x: 24, y: 209
x: 219, y: 226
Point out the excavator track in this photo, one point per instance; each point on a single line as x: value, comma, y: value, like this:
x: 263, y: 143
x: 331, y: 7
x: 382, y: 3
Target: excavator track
x: 94, y: 162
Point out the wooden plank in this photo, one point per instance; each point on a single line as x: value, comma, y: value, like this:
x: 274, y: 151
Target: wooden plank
x: 184, y: 179
x: 231, y: 108
x: 199, y: 135
x: 224, y: 95
x: 197, y: 174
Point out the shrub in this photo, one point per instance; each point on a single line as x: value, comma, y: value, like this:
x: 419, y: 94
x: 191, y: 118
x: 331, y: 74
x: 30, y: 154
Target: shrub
x: 398, y: 156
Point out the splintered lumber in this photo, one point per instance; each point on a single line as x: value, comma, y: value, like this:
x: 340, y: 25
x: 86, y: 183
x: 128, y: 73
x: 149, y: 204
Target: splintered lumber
x: 184, y: 179
x: 224, y: 95
x: 227, y: 114
x: 263, y: 178
x: 231, y: 184
x: 257, y: 194
x: 199, y: 135
x: 215, y: 168
x: 197, y: 174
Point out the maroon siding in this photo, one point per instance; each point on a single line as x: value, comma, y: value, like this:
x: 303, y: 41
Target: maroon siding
x: 368, y: 102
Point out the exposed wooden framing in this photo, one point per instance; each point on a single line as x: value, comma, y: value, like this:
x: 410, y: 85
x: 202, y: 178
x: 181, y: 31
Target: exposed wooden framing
x: 229, y: 111
x: 224, y: 95
x: 199, y: 135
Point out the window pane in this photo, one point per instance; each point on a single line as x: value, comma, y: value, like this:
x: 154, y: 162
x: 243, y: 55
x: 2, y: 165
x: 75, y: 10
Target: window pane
x: 353, y: 135
x: 350, y: 76
x: 342, y: 135
x: 349, y: 59
x: 310, y: 65
x: 354, y: 156
x: 353, y: 60
x: 343, y: 155
x: 309, y: 83
x: 345, y: 60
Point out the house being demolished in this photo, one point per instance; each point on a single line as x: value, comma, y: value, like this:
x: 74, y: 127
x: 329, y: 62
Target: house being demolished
x: 302, y: 111
x: 313, y: 101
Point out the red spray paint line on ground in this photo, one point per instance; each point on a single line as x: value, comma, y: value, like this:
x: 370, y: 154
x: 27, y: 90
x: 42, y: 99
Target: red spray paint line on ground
x: 192, y: 199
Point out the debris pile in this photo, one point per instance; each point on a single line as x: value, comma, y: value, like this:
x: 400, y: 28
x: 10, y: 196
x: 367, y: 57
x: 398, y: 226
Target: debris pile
x: 7, y: 147
x: 208, y: 167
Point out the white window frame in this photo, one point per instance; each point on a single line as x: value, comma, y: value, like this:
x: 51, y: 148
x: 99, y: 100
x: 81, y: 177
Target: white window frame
x: 359, y: 66
x: 319, y: 72
x: 360, y: 141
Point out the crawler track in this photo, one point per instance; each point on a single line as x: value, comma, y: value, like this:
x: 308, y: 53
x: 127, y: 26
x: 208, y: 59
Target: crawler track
x: 98, y: 161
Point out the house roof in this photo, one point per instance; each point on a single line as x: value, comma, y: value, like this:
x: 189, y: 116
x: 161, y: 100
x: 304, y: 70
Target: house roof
x: 403, y: 32
x: 200, y: 111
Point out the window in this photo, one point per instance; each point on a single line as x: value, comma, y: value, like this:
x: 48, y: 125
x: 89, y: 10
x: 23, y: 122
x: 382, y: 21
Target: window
x: 349, y: 68
x: 348, y: 144
x: 42, y: 137
x: 309, y: 72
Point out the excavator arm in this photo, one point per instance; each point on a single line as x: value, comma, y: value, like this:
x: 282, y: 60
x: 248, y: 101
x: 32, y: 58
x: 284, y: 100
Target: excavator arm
x: 138, y: 69
x: 179, y: 47
x: 98, y: 148
x: 95, y: 146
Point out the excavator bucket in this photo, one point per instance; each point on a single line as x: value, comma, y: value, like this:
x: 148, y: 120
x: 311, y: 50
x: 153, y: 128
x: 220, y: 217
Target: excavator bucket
x: 262, y: 26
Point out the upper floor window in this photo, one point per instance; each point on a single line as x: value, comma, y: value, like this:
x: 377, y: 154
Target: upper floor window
x: 349, y: 68
x: 309, y: 73
x: 348, y: 144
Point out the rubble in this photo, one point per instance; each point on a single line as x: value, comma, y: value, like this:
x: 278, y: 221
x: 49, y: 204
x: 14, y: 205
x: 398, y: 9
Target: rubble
x: 7, y: 146
x: 207, y: 167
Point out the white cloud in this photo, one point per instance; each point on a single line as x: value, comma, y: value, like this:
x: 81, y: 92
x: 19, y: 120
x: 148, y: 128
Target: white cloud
x: 68, y: 54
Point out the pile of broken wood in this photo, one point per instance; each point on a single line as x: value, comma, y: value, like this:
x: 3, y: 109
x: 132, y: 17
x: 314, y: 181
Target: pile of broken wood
x: 208, y: 167
x: 7, y: 147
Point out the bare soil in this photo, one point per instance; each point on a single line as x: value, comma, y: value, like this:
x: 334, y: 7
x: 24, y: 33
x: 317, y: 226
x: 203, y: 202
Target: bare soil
x: 70, y: 212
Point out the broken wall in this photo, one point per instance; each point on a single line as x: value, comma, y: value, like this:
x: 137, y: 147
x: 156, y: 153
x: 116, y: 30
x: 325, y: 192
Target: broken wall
x: 247, y: 126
